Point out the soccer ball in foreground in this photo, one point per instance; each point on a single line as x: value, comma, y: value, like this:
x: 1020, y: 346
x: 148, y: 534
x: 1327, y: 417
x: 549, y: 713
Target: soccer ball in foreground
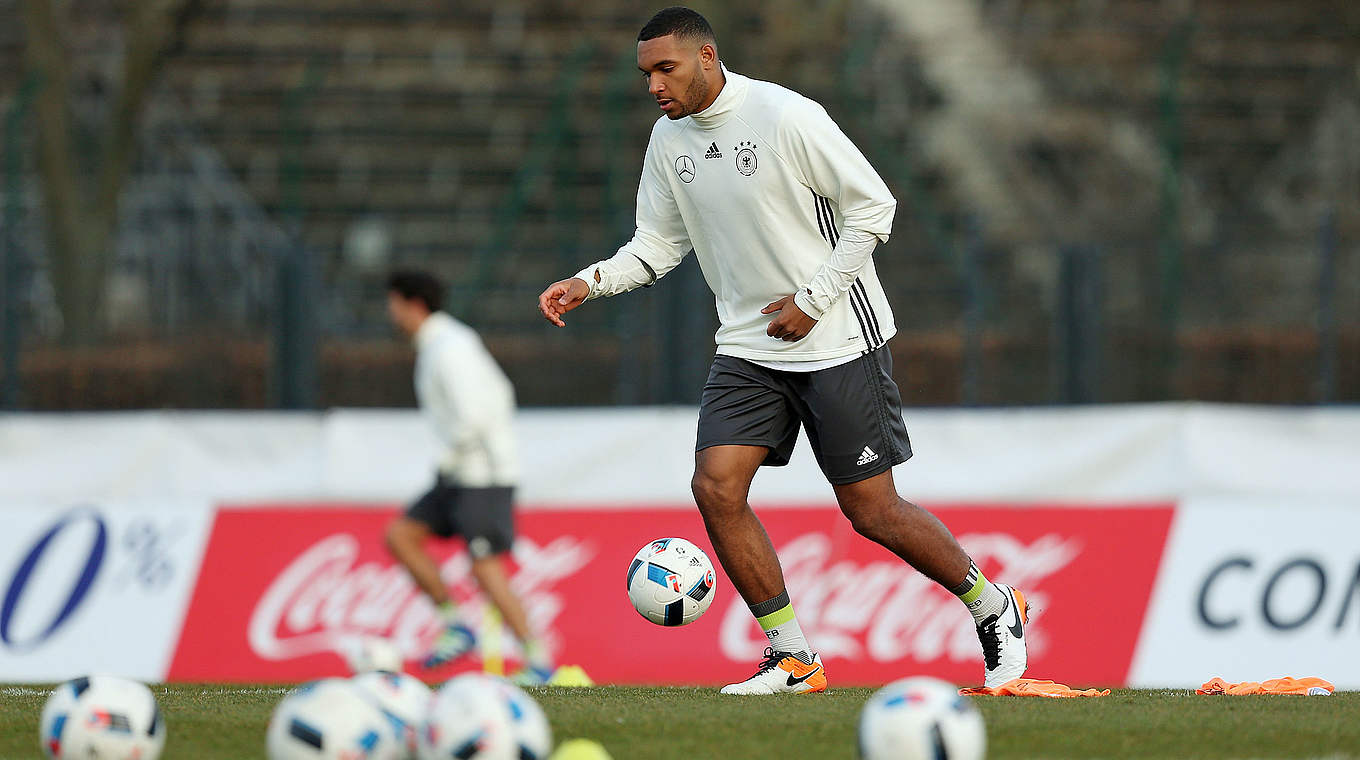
x: 670, y: 582
x: 330, y: 720
x: 102, y: 717
x: 403, y: 700
x: 476, y: 717
x: 528, y: 724
x: 920, y: 718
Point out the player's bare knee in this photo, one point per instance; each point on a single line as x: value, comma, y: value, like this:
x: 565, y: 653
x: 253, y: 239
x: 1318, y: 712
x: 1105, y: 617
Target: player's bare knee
x: 488, y: 565
x: 716, y: 496
x: 871, y: 520
x: 871, y: 527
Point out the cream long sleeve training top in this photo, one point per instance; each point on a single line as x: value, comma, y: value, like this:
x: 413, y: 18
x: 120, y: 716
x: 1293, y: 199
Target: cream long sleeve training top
x: 468, y: 401
x: 775, y: 200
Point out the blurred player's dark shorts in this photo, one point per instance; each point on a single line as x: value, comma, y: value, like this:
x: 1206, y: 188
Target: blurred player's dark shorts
x: 852, y: 413
x: 482, y: 516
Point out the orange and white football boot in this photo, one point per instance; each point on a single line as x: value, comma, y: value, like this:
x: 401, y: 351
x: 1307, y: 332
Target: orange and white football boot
x: 1004, y: 654
x: 782, y: 673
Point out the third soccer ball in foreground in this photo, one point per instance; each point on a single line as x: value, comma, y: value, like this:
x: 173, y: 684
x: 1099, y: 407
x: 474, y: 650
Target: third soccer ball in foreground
x: 920, y: 718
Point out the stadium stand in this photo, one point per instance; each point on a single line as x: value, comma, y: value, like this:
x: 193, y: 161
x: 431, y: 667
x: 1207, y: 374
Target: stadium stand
x: 498, y: 143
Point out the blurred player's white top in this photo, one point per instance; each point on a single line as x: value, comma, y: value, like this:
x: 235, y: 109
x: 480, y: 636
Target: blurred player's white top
x: 468, y: 400
x: 763, y: 185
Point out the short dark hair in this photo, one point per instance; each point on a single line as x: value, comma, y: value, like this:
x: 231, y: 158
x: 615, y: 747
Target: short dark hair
x: 680, y: 21
x: 414, y: 285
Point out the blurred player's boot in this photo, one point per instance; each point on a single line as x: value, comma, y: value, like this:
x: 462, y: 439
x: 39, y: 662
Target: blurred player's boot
x: 1003, y: 639
x: 532, y: 675
x: 782, y: 673
x: 455, y: 641
x: 538, y: 665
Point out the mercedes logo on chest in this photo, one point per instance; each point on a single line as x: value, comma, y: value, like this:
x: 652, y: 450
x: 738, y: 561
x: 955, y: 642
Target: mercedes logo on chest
x: 684, y: 167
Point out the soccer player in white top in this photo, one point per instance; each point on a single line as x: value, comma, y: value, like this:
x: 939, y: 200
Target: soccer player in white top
x: 783, y: 213
x: 471, y: 406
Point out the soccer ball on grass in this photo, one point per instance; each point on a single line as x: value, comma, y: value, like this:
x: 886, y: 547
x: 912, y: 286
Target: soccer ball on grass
x: 920, y: 718
x: 477, y: 717
x: 403, y: 700
x: 331, y: 719
x: 101, y: 718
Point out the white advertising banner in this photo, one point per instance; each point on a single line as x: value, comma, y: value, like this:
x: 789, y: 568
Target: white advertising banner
x: 1251, y: 589
x: 622, y: 457
x: 151, y: 456
x: 97, y: 588
x: 1307, y: 453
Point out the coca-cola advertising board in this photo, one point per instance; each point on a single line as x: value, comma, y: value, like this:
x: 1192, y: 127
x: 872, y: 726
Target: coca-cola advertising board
x: 285, y: 591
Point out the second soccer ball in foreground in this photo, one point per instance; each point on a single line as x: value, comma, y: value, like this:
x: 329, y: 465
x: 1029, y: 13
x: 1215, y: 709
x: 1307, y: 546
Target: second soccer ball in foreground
x: 670, y: 582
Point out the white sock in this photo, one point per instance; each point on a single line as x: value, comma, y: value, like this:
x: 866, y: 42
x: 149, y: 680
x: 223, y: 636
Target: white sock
x: 448, y: 612
x: 780, y: 625
x: 982, y: 597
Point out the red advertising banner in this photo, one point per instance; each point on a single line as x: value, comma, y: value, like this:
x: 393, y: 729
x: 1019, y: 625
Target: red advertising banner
x: 285, y: 591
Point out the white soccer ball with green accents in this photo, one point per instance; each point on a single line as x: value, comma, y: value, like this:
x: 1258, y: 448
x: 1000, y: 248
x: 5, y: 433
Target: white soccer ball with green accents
x: 671, y: 582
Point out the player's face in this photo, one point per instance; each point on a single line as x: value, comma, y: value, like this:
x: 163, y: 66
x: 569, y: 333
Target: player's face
x: 402, y: 313
x: 676, y: 73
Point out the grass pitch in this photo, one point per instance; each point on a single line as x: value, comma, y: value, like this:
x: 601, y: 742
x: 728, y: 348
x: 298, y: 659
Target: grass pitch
x: 214, y: 722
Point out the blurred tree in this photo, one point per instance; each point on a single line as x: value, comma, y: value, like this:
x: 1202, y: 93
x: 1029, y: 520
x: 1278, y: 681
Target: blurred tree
x: 81, y: 188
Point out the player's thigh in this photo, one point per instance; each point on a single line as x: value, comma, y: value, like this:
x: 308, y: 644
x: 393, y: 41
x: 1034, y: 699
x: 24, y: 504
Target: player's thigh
x: 744, y: 404
x: 484, y: 516
x: 853, y: 416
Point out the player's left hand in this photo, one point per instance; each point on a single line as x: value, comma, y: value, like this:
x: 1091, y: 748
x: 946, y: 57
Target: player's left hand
x: 791, y: 324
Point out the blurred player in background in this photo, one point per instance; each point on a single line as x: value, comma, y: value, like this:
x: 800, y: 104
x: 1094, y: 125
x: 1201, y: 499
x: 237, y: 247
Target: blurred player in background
x: 471, y: 405
x: 783, y: 213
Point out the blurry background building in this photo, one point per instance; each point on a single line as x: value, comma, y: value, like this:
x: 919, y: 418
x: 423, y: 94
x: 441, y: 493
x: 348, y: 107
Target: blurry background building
x: 1099, y: 201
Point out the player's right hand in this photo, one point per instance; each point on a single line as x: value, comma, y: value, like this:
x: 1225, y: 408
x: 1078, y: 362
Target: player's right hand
x: 561, y: 297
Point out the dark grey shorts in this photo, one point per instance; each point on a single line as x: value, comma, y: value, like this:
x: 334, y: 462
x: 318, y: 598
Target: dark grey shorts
x: 852, y: 413
x: 482, y: 516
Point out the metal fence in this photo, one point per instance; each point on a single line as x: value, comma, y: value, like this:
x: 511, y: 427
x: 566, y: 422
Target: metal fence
x: 223, y: 295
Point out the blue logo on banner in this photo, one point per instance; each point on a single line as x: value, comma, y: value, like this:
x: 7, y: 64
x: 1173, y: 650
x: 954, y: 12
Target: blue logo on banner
x: 19, y: 581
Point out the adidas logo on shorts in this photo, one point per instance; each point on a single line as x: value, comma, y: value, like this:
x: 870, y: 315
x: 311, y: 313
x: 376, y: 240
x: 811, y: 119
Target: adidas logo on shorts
x: 867, y: 456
